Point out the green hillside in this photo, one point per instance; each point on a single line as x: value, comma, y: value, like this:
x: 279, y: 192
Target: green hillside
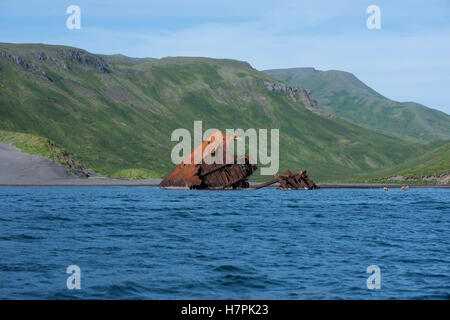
x: 115, y: 114
x: 44, y: 147
x: 435, y: 162
x: 347, y: 97
x: 432, y: 166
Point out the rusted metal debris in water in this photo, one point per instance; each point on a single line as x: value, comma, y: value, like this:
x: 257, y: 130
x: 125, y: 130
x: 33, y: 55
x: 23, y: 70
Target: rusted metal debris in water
x: 199, y: 171
x: 291, y: 181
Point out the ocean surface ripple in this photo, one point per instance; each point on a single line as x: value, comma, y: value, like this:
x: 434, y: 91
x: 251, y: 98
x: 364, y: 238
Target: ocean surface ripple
x: 147, y: 243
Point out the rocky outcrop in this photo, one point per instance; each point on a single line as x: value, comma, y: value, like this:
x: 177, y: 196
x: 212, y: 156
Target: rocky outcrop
x: 439, y: 179
x: 24, y: 63
x: 71, y: 164
x: 299, y: 94
x: 78, y: 170
x: 42, y: 56
x: 84, y: 58
x: 62, y: 57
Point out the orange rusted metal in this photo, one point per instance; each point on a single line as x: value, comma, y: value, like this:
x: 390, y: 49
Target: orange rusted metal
x: 291, y: 181
x: 202, y: 170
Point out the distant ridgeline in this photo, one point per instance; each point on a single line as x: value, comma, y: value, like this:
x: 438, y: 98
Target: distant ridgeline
x: 345, y: 96
x: 115, y: 114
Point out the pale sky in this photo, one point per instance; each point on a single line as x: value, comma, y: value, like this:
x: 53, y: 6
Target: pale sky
x: 408, y: 59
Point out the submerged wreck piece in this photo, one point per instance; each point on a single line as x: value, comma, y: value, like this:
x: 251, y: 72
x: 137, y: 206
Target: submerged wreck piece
x: 199, y: 171
x: 291, y: 181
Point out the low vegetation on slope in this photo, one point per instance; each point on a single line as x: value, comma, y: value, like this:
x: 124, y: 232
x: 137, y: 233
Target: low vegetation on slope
x: 344, y: 95
x: 44, y: 147
x: 116, y: 114
x: 432, y: 163
x: 430, y: 167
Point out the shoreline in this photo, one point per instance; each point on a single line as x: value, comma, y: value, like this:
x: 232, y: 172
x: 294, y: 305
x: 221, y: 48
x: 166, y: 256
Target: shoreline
x: 378, y: 185
x: 19, y: 169
x: 103, y: 182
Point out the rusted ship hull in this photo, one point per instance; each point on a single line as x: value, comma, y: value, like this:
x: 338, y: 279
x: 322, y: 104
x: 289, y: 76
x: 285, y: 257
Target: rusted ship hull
x: 209, y: 176
x: 211, y: 166
x: 199, y: 171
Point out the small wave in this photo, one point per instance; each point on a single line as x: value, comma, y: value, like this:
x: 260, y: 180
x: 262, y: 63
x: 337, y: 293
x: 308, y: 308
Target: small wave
x: 227, y: 268
x: 21, y: 237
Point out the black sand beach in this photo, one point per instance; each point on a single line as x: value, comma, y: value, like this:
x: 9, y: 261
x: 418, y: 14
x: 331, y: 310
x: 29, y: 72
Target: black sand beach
x: 21, y: 169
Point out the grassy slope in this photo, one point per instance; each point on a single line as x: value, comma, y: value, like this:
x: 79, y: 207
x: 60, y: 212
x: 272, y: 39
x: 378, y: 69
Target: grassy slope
x: 434, y: 162
x: 41, y: 146
x: 116, y: 115
x: 347, y: 97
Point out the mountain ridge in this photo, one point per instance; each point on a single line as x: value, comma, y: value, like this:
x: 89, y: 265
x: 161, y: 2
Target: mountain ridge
x: 345, y: 96
x: 114, y: 115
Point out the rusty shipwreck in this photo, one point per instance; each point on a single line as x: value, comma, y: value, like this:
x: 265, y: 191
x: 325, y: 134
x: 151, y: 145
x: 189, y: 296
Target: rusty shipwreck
x: 202, y: 170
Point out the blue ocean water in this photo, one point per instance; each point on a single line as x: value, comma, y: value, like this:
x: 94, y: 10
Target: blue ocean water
x: 147, y: 243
